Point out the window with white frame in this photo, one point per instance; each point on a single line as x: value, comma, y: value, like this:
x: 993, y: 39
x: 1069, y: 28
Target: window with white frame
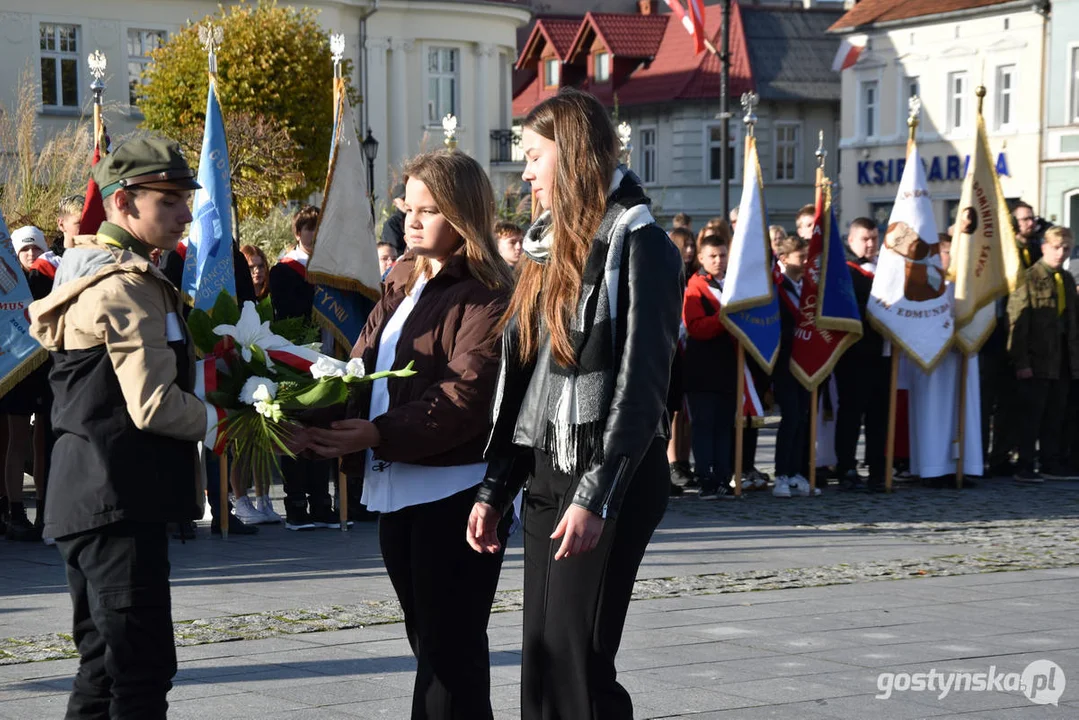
x: 648, y: 155
x: 788, y: 147
x: 443, y: 68
x: 870, y: 97
x: 140, y: 43
x: 716, y: 155
x: 59, y: 46
x: 1075, y: 85
x: 1005, y: 96
x: 551, y: 72
x: 602, y: 70
x: 957, y: 100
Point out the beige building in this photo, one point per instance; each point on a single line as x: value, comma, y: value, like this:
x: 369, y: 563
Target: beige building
x: 942, y: 58
x: 425, y: 59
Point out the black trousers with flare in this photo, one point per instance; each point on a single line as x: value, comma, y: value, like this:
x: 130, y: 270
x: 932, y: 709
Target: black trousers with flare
x: 575, y: 608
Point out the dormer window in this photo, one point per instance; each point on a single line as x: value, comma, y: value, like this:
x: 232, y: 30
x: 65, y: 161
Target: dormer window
x: 602, y: 67
x: 551, y: 69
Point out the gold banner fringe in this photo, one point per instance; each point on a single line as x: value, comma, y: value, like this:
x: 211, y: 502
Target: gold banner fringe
x: 23, y: 370
x: 343, y: 283
x: 338, y: 336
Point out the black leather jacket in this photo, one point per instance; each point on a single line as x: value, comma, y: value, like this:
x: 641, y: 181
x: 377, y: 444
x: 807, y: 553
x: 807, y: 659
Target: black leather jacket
x: 646, y: 335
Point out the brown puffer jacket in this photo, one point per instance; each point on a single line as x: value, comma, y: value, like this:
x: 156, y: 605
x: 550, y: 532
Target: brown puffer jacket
x: 441, y: 415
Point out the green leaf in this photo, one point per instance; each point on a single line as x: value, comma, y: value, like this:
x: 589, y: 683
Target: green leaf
x: 265, y: 308
x: 324, y: 393
x: 258, y: 357
x: 404, y: 372
x: 202, y: 331
x: 225, y: 310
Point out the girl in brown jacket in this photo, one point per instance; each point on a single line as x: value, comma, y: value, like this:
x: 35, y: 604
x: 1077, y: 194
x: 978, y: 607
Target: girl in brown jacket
x: 419, y: 441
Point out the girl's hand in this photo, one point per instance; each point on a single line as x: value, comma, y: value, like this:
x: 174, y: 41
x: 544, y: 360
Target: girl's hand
x: 482, y: 533
x: 579, y: 529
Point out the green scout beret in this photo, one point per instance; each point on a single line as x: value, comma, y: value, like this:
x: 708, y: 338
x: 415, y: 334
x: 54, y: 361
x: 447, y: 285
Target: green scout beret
x: 148, y: 161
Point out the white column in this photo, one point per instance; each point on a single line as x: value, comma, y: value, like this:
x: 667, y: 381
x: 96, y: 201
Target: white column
x: 398, y: 96
x: 481, y: 124
x: 376, y: 113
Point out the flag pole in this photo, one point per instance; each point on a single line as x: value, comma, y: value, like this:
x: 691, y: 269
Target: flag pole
x: 97, y: 63
x: 961, y: 421
x: 915, y: 105
x: 211, y: 37
x: 337, y: 53
x: 821, y: 154
x: 739, y: 418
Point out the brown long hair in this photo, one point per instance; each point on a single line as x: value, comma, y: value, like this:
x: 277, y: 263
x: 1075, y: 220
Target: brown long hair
x: 464, y: 196
x: 251, y: 252
x: 587, y: 156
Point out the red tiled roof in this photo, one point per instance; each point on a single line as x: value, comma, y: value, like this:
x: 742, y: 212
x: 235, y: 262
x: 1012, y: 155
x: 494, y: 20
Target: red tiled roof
x: 558, y: 32
x: 628, y: 36
x: 674, y: 74
x: 868, y: 12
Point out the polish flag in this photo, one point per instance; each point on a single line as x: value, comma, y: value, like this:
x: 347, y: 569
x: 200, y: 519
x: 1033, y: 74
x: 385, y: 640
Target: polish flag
x: 751, y: 402
x: 693, y: 21
x: 847, y: 54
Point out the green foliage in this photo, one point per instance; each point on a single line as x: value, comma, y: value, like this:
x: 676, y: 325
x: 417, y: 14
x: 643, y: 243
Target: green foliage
x: 272, y: 233
x: 274, y: 62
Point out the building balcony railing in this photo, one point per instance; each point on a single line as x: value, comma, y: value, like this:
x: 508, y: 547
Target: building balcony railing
x: 506, y: 146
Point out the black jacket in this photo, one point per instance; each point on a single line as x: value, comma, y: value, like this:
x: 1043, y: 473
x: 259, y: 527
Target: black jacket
x: 290, y: 293
x: 871, y: 344
x: 650, y: 288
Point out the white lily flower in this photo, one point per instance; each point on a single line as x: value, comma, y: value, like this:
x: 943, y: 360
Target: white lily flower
x: 354, y: 368
x: 257, y: 388
x: 269, y: 409
x: 327, y: 366
x: 250, y: 332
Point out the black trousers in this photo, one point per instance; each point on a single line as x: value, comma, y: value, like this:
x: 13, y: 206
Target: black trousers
x: 446, y: 590
x: 1044, y: 404
x: 999, y: 405
x: 118, y: 576
x: 712, y: 417
x: 575, y: 608
x: 863, y: 394
x: 306, y: 482
x: 792, y: 439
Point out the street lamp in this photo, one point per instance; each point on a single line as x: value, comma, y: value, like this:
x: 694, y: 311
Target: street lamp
x: 370, y: 151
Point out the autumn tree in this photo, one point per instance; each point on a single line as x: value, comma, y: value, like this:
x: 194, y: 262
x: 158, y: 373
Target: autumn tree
x: 275, y: 84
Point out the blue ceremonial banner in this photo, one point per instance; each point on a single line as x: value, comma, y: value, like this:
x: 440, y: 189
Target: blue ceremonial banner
x: 344, y: 265
x: 20, y: 354
x: 749, y: 304
x: 838, y: 307
x: 208, y: 265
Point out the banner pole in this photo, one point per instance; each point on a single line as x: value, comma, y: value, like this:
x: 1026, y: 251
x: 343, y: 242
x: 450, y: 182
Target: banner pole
x: 739, y: 419
x: 813, y: 441
x: 223, y: 495
x: 893, y: 384
x: 342, y: 499
x: 962, y: 423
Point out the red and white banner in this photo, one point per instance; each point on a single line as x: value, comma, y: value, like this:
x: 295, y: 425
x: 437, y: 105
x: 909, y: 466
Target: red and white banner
x: 751, y: 401
x: 692, y: 21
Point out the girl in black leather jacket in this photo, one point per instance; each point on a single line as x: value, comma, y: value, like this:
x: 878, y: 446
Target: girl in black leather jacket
x: 580, y: 411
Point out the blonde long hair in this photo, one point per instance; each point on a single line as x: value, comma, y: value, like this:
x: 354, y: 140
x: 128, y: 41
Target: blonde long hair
x: 464, y: 197
x: 587, y: 156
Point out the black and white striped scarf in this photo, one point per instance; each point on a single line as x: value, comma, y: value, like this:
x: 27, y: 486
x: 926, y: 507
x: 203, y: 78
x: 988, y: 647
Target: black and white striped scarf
x: 580, y: 396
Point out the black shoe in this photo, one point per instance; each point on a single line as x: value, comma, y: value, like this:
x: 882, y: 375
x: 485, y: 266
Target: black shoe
x: 679, y: 475
x: 1057, y: 473
x: 1004, y: 469
x: 851, y: 482
x: 1028, y: 477
x: 235, y: 527
x: 324, y: 517
x: 19, y: 527
x: 676, y: 490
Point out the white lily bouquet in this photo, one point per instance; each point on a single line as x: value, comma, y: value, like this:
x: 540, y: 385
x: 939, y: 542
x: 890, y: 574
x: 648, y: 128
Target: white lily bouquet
x: 263, y: 383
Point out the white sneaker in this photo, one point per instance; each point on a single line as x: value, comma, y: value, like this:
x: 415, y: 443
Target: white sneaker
x: 800, y: 486
x: 782, y: 488
x: 246, y: 512
x: 264, y: 506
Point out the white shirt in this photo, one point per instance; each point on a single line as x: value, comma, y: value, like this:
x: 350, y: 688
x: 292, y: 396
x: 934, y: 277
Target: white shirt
x: 390, y: 486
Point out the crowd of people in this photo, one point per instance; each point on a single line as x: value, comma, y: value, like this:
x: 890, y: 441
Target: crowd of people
x: 581, y: 360
x: 1028, y: 372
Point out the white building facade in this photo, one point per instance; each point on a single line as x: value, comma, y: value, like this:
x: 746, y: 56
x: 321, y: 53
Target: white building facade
x: 942, y: 58
x: 424, y: 60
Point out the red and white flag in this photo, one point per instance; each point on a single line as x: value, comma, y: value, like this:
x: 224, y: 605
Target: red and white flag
x: 751, y: 401
x: 847, y: 54
x: 692, y: 21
